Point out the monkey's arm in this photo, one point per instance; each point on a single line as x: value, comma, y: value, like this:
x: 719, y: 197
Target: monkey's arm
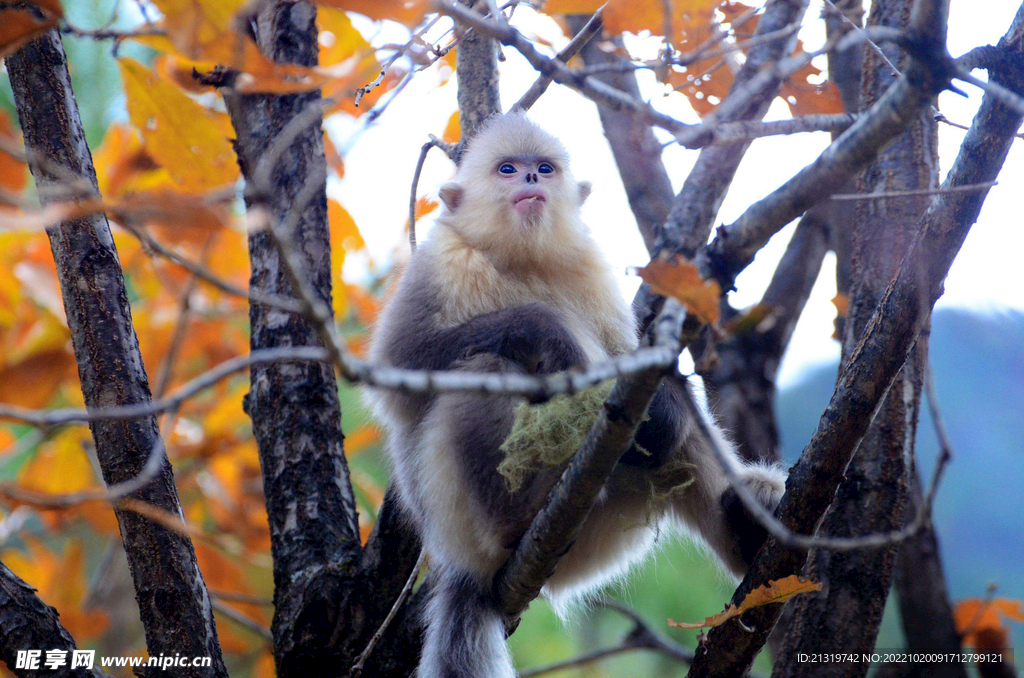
x: 532, y: 336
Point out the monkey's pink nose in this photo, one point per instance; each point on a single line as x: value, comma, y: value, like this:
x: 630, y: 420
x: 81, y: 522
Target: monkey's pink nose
x: 529, y: 202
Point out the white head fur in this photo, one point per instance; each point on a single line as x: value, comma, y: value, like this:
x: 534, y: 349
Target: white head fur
x: 514, y: 195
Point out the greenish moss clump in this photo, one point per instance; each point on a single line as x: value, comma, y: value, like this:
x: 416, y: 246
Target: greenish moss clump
x: 550, y: 433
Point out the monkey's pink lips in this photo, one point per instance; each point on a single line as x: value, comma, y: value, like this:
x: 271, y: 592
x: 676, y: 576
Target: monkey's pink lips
x: 529, y: 202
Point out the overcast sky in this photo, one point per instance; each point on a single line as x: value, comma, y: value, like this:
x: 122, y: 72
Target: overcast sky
x: 379, y: 163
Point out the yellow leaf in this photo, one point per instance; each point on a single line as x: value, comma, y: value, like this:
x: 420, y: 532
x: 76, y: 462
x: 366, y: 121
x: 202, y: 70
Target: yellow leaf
x: 201, y: 27
x: 339, y: 40
x: 759, y: 318
x: 680, y: 279
x: 777, y: 591
x: 185, y: 138
x: 345, y: 237
x: 453, y: 130
x: 60, y: 465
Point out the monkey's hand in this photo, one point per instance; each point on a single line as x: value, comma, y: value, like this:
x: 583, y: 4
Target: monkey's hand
x: 537, y: 339
x: 768, y: 484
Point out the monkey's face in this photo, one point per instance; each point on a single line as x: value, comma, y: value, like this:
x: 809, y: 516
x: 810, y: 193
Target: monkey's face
x: 528, y: 183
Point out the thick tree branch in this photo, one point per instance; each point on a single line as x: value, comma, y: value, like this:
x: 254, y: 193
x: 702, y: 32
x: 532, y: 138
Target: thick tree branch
x: 294, y: 406
x: 902, y: 312
x: 928, y: 74
x: 696, y: 207
x: 636, y: 150
x: 741, y: 380
x: 872, y: 497
x: 477, y: 72
x: 27, y: 623
x: 162, y: 562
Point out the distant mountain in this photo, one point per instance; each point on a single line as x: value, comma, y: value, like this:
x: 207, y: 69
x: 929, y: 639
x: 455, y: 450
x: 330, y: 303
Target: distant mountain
x: 978, y: 360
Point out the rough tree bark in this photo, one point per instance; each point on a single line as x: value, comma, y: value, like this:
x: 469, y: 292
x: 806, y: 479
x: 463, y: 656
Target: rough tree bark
x: 172, y: 597
x: 902, y: 312
x: 740, y: 379
x: 26, y: 622
x: 330, y: 595
x: 871, y: 499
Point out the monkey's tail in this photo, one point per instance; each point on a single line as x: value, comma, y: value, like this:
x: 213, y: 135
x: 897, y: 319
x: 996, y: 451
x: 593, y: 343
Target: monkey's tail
x: 465, y: 632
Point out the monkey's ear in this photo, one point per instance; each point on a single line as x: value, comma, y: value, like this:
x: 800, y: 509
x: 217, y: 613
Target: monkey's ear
x: 584, y: 189
x: 451, y: 195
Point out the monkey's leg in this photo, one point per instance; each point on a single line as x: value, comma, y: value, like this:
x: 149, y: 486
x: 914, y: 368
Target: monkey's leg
x: 465, y: 635
x: 707, y: 505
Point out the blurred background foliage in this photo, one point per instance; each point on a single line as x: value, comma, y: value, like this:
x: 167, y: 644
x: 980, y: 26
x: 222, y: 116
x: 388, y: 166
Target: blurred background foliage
x: 141, y: 110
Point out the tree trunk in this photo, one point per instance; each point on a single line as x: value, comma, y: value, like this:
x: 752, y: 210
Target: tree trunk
x: 871, y: 499
x: 172, y: 597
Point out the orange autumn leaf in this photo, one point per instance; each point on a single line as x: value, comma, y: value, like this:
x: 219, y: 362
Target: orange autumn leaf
x: 842, y: 304
x: 334, y: 159
x: 361, y: 438
x: 33, y: 381
x: 453, y: 130
x: 681, y: 280
x: 980, y: 622
x: 51, y: 7
x: 18, y: 27
x: 776, y: 591
x: 425, y: 206
x: 13, y: 172
x: 188, y: 140
x: 807, y: 98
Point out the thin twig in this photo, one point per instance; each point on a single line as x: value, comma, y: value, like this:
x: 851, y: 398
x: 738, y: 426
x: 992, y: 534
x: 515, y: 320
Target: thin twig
x: 433, y: 143
x: 233, y: 596
x: 534, y: 387
x: 579, y: 41
x: 802, y: 541
x: 357, y: 667
x: 241, y: 619
x: 969, y: 188
x: 151, y: 244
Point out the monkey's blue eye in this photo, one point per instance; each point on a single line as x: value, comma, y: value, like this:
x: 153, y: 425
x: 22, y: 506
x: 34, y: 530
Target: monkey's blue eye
x: 507, y: 168
x: 545, y: 168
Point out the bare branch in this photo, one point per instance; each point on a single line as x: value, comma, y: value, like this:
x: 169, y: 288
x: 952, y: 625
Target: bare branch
x: 735, y: 245
x: 593, y: 26
x: 357, y: 666
x: 913, y: 193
